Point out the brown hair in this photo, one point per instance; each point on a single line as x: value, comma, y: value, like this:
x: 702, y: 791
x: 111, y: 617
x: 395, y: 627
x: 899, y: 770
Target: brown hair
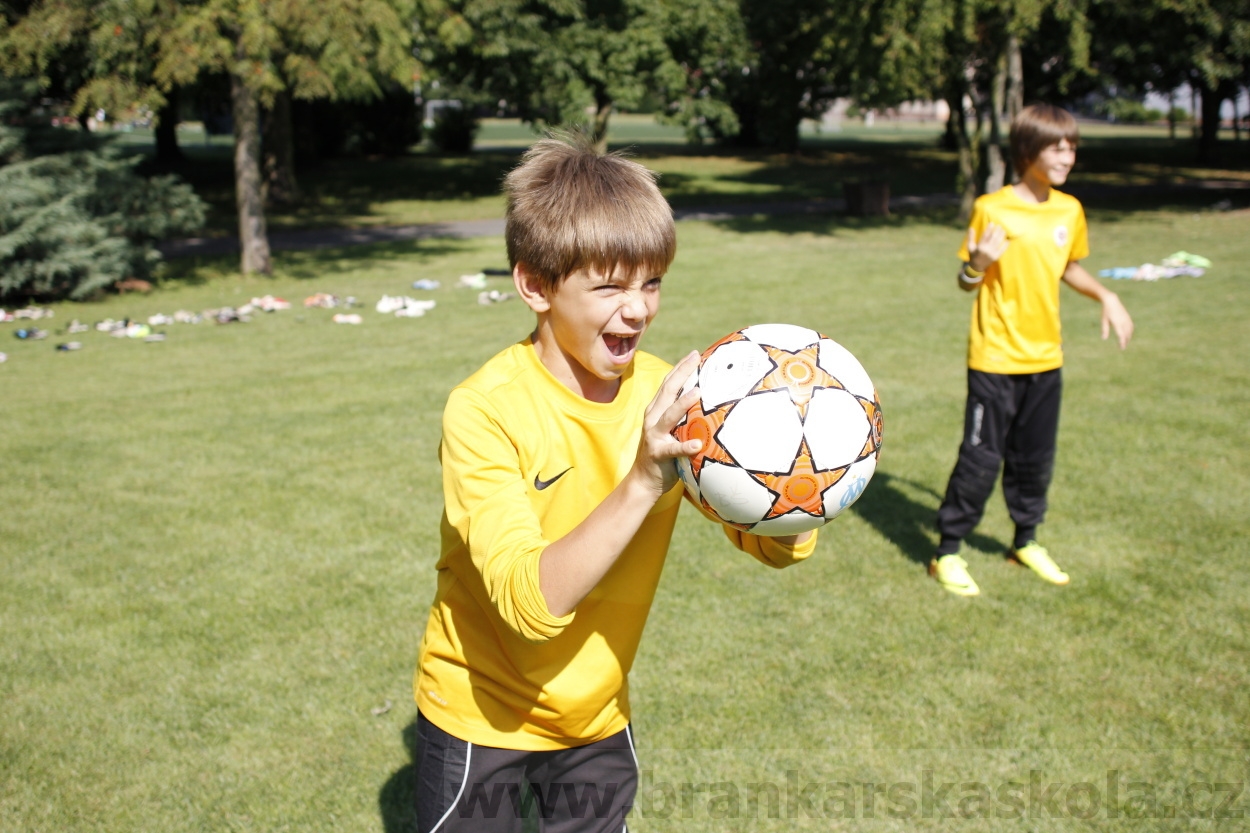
x: 572, y: 207
x: 1036, y: 128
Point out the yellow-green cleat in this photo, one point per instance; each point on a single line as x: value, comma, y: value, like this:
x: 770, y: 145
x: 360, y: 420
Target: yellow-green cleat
x: 1034, y: 556
x: 951, y: 572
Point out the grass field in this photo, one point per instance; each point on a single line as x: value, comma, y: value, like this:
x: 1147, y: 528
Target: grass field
x: 216, y: 556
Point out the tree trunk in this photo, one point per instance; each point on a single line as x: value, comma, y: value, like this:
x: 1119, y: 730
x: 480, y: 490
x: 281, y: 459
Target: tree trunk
x: 279, y: 144
x: 1195, y: 115
x: 950, y: 137
x: 1015, y: 94
x: 248, y: 189
x: 1209, y: 140
x: 746, y: 108
x: 966, y: 182
x: 168, y: 155
x: 599, y: 134
x: 1006, y: 99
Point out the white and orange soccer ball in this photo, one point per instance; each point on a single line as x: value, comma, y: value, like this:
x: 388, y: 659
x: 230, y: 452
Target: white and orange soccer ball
x: 791, y: 430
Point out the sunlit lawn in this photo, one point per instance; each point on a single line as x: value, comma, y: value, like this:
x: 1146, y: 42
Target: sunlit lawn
x: 216, y: 555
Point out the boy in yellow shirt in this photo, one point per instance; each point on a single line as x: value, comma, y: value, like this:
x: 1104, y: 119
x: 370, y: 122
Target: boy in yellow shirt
x: 1023, y: 241
x: 560, y: 498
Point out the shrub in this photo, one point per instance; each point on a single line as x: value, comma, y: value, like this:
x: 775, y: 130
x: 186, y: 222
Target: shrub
x: 72, y: 224
x: 1178, y: 115
x: 1129, y: 111
x: 75, y: 222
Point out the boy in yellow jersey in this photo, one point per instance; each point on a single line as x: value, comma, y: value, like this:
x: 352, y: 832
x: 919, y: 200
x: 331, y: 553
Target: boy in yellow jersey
x: 1022, y: 241
x: 560, y: 498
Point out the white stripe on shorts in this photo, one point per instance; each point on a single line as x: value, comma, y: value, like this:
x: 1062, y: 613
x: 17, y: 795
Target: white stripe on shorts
x: 468, y: 759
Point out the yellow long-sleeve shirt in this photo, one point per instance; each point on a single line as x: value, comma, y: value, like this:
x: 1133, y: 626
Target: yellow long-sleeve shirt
x: 525, y: 460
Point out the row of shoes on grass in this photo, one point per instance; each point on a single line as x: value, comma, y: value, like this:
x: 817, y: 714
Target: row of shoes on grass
x: 26, y: 314
x: 125, y: 328
x: 403, y: 307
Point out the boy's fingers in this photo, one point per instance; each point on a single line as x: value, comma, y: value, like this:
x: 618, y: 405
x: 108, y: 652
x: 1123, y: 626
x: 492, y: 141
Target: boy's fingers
x: 681, y: 371
x: 673, y: 413
x: 995, y: 235
x: 684, y: 449
x: 972, y: 241
x: 671, y: 386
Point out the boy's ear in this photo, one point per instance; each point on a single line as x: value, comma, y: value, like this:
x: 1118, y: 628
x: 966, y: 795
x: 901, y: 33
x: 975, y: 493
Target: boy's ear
x: 530, y: 288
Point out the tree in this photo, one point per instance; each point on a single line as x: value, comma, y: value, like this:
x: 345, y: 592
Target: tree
x: 1165, y: 43
x: 558, y: 63
x: 707, y: 43
x: 47, y: 42
x: 803, y: 55
x: 138, y: 53
x: 980, y: 54
x: 99, y: 56
x: 775, y: 63
x: 330, y: 49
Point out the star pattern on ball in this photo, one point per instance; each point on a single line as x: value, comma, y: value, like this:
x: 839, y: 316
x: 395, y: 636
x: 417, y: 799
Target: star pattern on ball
x: 704, y: 426
x: 735, y: 336
x: 873, y: 443
x: 800, y: 373
x: 802, y: 488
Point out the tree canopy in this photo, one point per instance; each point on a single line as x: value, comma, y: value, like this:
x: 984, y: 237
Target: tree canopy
x: 126, y: 54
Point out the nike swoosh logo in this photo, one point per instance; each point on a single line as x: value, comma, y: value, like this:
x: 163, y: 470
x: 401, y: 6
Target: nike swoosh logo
x: 541, y: 484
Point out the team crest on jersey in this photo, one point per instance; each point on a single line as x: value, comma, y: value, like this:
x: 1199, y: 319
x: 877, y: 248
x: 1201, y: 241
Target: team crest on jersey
x: 1061, y: 236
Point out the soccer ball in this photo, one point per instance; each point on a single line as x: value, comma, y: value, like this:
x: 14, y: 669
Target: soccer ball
x: 790, y: 425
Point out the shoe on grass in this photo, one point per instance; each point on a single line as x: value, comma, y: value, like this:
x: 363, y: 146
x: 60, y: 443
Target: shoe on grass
x: 1034, y: 556
x: 951, y: 572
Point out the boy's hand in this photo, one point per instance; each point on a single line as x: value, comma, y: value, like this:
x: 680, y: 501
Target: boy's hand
x: 987, y: 250
x: 658, y: 447
x: 1116, y: 317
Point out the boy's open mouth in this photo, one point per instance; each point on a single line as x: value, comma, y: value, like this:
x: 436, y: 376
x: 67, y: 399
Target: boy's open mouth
x: 620, y: 345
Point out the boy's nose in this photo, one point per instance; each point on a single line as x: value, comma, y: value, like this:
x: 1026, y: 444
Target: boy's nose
x: 635, y: 307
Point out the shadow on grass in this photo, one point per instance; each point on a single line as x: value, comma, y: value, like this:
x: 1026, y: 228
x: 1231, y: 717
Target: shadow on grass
x: 905, y: 522
x: 347, y: 260
x: 318, y: 264
x: 1116, y: 204
x: 397, y: 798
x: 397, y: 803
x: 830, y: 223
x: 336, y: 191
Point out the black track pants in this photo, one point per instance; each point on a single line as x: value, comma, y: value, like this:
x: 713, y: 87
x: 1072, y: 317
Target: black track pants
x: 1012, y: 421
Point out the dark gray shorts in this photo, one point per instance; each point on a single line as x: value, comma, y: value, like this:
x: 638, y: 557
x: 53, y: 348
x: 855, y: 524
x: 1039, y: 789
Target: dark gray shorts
x: 466, y: 788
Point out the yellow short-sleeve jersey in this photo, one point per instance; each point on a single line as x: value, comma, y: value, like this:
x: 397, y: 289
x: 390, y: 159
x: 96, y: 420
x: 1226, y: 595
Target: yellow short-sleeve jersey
x: 1015, y: 319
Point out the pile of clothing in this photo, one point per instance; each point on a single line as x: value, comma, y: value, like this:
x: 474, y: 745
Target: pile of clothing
x: 1175, y: 265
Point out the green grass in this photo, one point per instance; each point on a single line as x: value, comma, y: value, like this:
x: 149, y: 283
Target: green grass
x: 216, y: 554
